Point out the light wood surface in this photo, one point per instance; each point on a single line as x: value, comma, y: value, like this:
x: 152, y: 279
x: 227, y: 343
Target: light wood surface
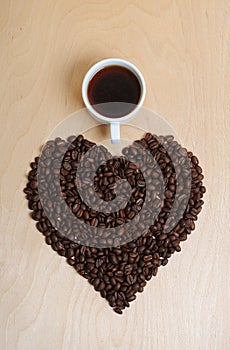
x: 182, y: 49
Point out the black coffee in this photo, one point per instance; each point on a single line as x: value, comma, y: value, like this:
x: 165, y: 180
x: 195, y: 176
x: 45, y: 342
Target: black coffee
x: 114, y: 84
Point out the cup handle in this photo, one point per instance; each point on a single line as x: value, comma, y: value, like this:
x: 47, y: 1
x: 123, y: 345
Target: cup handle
x: 115, y: 132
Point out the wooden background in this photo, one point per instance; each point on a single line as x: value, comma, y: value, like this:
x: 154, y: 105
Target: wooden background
x: 182, y: 49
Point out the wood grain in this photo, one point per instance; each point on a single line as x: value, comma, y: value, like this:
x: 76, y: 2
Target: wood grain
x: 182, y: 49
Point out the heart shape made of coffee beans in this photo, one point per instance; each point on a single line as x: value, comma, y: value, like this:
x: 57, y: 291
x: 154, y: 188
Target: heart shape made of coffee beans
x: 115, y: 239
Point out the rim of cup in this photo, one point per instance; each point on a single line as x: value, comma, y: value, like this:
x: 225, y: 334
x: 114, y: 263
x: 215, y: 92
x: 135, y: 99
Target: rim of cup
x: 101, y: 65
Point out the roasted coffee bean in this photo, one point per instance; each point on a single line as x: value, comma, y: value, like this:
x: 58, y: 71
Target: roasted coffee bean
x: 103, y: 293
x: 118, y: 273
x: 96, y: 282
x: 101, y: 285
x: 113, y: 281
x: 94, y: 222
x: 70, y: 261
x: 113, y: 259
x: 117, y: 286
x: 131, y: 298
x: 118, y: 310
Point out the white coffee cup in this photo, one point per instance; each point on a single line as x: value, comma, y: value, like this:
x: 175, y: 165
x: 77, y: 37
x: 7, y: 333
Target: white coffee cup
x: 114, y: 122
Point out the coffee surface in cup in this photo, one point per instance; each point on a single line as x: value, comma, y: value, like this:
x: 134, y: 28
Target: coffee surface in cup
x: 114, y: 91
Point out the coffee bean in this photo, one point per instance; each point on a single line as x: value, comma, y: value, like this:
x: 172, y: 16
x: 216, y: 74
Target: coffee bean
x: 86, y: 215
x: 70, y: 261
x: 79, y: 213
x: 101, y: 286
x: 113, y: 259
x: 117, y: 286
x: 131, y: 298
x: 147, y: 258
x: 103, y: 293
x: 96, y: 282
x: 113, y: 281
x: 118, y: 310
